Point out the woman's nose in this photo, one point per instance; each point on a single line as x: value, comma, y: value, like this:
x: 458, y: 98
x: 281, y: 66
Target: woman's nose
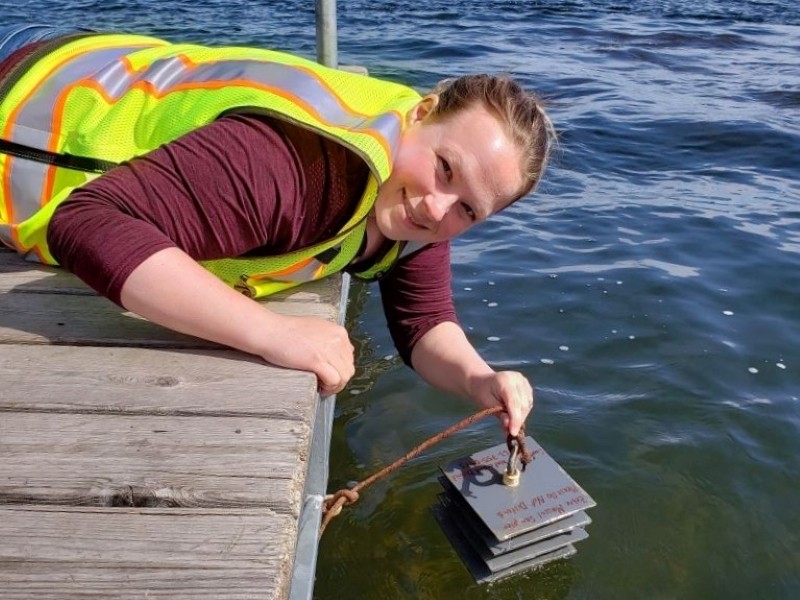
x: 436, y: 206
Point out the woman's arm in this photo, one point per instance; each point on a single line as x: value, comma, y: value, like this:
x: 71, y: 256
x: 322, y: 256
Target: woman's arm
x: 223, y: 190
x: 171, y: 289
x: 445, y: 358
x: 418, y: 302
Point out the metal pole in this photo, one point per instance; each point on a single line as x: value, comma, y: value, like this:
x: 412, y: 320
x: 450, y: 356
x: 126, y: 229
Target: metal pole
x: 326, y: 33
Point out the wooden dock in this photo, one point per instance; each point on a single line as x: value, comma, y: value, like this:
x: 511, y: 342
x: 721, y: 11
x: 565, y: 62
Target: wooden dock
x: 138, y: 462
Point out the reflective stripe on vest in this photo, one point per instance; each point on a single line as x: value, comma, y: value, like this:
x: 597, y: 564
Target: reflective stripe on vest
x: 113, y: 97
x: 26, y: 184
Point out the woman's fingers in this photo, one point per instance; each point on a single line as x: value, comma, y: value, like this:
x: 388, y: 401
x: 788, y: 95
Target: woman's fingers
x: 513, y: 392
x: 335, y: 374
x: 521, y: 405
x: 312, y: 344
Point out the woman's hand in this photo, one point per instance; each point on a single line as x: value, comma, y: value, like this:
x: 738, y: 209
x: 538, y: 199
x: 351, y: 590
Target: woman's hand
x: 510, y: 390
x: 311, y: 344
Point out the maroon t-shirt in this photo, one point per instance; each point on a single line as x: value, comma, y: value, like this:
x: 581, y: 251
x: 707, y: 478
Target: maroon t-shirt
x: 17, y: 56
x: 244, y: 184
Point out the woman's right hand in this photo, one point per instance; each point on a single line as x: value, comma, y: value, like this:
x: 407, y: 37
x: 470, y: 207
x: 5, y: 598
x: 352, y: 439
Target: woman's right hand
x: 311, y: 344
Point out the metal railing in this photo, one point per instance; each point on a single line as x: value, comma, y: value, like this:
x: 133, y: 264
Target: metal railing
x: 326, y: 33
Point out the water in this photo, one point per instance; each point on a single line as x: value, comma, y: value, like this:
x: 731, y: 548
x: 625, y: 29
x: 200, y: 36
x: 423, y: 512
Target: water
x: 651, y: 289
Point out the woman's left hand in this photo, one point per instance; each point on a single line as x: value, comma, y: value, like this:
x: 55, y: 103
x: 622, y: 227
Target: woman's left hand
x: 511, y: 390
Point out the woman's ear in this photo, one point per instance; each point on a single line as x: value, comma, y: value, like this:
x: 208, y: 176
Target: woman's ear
x: 422, y: 109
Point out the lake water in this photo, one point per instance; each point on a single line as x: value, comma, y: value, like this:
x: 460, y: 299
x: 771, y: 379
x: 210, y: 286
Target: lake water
x: 650, y: 289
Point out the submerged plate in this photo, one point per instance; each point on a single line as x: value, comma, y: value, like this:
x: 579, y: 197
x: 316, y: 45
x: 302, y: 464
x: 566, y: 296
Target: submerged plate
x: 480, y: 571
x: 545, y: 494
x: 475, y: 529
x: 521, y: 554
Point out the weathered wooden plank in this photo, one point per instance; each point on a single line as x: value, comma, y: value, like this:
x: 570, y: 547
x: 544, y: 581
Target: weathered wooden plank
x: 96, y: 410
x: 68, y: 319
x: 151, y: 381
x: 53, y: 552
x: 15, y: 272
x: 102, y: 460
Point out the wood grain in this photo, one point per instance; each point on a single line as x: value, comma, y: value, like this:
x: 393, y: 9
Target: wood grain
x: 55, y: 552
x: 102, y: 460
x: 150, y: 381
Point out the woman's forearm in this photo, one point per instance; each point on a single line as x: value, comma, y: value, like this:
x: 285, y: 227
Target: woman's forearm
x: 171, y: 289
x: 446, y: 359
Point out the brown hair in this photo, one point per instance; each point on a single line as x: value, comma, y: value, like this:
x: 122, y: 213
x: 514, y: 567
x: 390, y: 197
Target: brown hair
x: 521, y: 113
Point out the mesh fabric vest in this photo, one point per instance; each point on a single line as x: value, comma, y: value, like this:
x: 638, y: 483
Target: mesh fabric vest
x: 85, y: 104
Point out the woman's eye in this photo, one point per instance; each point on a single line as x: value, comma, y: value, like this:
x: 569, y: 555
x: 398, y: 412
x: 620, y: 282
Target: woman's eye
x: 468, y: 211
x: 445, y: 166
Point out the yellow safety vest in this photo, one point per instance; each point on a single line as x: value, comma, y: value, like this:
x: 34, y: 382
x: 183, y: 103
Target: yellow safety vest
x: 93, y: 101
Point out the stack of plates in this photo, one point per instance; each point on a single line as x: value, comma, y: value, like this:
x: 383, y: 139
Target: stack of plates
x: 500, y: 530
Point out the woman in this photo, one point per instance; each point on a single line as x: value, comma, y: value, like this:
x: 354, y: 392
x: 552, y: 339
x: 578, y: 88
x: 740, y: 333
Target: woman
x: 270, y: 170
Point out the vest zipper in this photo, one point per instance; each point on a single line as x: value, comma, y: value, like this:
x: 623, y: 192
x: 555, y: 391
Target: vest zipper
x: 66, y: 161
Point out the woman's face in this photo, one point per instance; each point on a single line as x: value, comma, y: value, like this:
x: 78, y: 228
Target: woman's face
x: 448, y: 175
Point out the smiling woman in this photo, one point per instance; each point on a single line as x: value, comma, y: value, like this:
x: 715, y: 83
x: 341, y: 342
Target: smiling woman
x: 293, y: 173
x: 449, y: 174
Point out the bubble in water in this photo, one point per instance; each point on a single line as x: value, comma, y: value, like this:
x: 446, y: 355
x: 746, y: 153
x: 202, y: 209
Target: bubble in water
x: 631, y: 337
x: 467, y: 289
x: 563, y: 348
x: 727, y: 312
x: 493, y: 338
x: 492, y: 304
x: 780, y: 365
x: 753, y: 370
x: 491, y: 283
x: 547, y: 361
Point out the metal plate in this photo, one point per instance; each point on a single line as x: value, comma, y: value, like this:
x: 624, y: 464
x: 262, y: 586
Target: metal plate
x: 474, y: 528
x: 521, y: 554
x: 545, y: 494
x: 477, y: 567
